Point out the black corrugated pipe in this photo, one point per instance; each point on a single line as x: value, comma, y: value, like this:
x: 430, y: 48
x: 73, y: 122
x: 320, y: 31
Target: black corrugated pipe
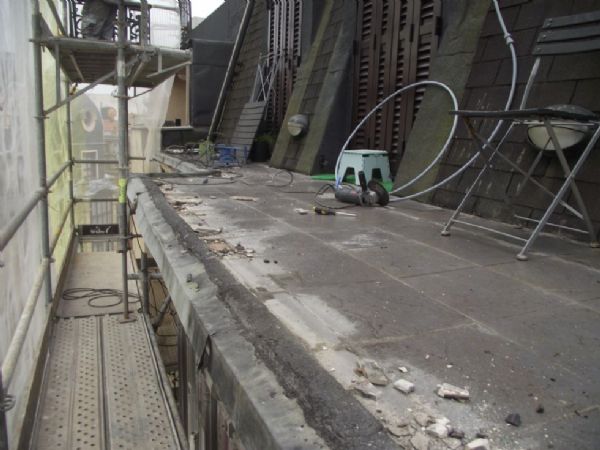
x: 231, y: 68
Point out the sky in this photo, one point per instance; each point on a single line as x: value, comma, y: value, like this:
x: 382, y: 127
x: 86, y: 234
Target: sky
x: 203, y: 8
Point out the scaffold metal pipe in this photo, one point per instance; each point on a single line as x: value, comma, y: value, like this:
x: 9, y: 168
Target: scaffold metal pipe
x: 41, y: 142
x: 123, y: 151
x: 16, y: 344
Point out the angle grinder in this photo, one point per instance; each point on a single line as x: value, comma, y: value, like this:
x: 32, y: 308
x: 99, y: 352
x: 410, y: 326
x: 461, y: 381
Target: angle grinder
x: 368, y: 194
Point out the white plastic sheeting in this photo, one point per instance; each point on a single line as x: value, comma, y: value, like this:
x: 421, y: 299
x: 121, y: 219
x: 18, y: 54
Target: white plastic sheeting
x: 18, y: 181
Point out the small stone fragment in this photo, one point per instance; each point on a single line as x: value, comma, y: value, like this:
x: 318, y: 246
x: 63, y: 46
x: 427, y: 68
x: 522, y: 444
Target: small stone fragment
x: 423, y: 419
x: 301, y: 211
x: 372, y: 372
x: 438, y: 429
x: 513, y: 419
x: 242, y: 198
x: 446, y: 390
x: 420, y: 441
x: 404, y: 386
x: 403, y: 369
x: 213, y: 197
x: 478, y: 444
x: 366, y: 389
x: 456, y: 434
x: 398, y: 431
x: 482, y: 434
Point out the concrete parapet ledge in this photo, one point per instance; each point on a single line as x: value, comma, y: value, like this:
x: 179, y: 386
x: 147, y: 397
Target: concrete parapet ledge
x: 262, y: 415
x: 276, y: 393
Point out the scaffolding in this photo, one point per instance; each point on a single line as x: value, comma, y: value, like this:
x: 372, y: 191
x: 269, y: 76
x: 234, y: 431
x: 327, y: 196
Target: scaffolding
x: 131, y: 60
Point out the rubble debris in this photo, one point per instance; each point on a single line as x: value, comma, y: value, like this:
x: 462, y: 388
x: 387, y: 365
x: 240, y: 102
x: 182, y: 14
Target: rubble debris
x: 404, y: 386
x: 447, y: 390
x: 399, y: 430
x: 439, y: 429
x: 366, y: 389
x: 423, y: 420
x: 213, y: 197
x: 584, y: 411
x: 420, y: 441
x: 301, y: 211
x: 456, y: 434
x: 372, y: 371
x: 478, y: 444
x: 482, y: 434
x: 220, y: 247
x: 403, y: 369
x: 513, y: 419
x: 205, y: 231
x: 540, y: 409
x: 242, y: 198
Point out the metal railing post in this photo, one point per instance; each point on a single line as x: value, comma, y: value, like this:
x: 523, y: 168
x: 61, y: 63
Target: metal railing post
x: 41, y: 142
x: 145, y: 283
x: 69, y: 130
x: 123, y: 151
x: 3, y: 407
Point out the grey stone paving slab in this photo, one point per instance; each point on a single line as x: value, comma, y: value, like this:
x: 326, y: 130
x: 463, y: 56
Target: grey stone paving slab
x: 386, y: 309
x: 556, y: 276
x: 502, y: 377
x: 482, y: 294
x: 456, y: 309
x: 567, y: 335
x: 397, y: 256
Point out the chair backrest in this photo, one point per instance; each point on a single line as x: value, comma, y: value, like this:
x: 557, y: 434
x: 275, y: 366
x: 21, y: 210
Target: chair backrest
x: 579, y: 33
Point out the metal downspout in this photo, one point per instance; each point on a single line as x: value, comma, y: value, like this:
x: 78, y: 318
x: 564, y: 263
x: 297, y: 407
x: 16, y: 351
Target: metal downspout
x: 40, y: 132
x: 123, y: 151
x: 231, y: 68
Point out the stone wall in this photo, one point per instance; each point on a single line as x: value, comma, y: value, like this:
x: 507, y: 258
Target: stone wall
x: 562, y: 80
x: 322, y: 93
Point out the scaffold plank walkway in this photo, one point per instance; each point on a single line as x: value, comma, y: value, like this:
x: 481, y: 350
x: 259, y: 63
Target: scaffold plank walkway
x: 102, y: 386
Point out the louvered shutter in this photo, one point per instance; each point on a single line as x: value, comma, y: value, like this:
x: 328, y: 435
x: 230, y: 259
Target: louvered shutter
x: 396, y: 40
x: 285, y: 42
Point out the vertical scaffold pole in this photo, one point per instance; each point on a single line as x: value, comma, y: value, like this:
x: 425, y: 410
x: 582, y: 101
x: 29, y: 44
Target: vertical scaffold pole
x: 123, y: 151
x: 40, y: 132
x: 69, y: 132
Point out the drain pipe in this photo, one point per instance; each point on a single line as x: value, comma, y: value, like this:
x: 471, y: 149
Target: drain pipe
x: 237, y: 47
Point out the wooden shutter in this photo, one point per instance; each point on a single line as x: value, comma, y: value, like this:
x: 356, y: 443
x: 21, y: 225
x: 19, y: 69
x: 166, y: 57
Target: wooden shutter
x: 396, y: 41
x: 285, y: 45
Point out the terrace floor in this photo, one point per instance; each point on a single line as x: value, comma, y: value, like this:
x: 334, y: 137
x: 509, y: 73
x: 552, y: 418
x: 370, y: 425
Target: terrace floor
x: 522, y: 337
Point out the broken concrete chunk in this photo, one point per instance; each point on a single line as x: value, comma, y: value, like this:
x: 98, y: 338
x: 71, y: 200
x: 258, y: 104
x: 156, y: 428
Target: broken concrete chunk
x: 242, y: 198
x: 439, y: 429
x: 372, y: 372
x: 446, y: 390
x: 420, y: 441
x: 423, y: 419
x: 478, y: 444
x: 403, y: 369
x: 366, y: 389
x: 404, y: 386
x: 513, y: 419
x: 456, y: 434
x: 398, y: 431
x: 301, y: 211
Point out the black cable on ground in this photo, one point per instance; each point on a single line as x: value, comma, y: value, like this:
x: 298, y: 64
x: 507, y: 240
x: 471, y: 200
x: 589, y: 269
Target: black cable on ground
x: 93, y: 294
x: 324, y: 189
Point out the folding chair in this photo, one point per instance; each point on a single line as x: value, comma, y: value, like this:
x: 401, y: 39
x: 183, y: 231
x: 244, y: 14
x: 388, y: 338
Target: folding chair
x: 559, y: 36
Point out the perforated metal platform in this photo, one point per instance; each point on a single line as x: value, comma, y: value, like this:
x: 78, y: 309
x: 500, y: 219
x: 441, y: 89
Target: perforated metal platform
x: 102, y: 389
